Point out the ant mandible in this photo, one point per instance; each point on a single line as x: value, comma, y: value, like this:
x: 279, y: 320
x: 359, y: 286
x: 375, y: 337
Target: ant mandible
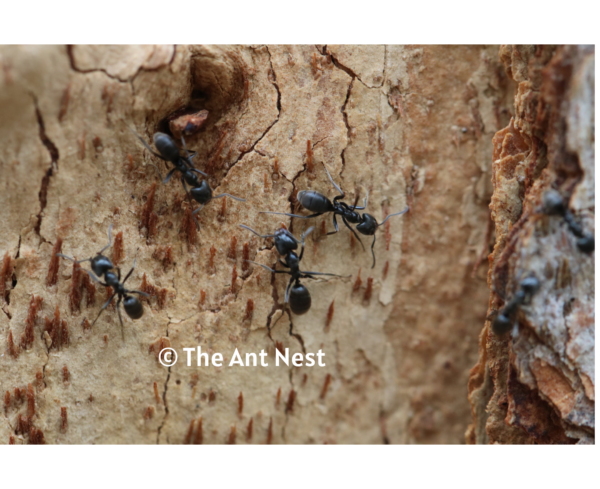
x: 319, y: 204
x: 102, y: 266
x: 296, y: 294
x: 200, y: 190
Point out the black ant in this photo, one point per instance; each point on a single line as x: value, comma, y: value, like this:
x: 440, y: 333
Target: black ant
x: 319, y: 204
x: 527, y: 288
x: 102, y: 266
x: 552, y: 205
x: 296, y: 294
x: 200, y: 190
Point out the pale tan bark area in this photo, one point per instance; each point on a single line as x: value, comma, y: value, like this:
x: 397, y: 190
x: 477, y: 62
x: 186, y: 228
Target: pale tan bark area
x: 412, y: 125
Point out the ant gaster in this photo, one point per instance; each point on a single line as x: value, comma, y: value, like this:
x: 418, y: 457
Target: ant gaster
x: 200, y: 190
x: 102, y: 266
x: 319, y: 204
x: 296, y: 294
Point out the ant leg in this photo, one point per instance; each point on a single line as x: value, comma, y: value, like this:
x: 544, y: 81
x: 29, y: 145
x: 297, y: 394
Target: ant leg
x: 253, y: 231
x: 395, y: 214
x: 188, y: 159
x: 137, y: 292
x: 191, y: 200
x: 353, y: 232
x: 229, y: 195
x: 372, y: 250
x: 197, y: 210
x: 306, y: 233
x: 93, y: 277
x: 198, y: 171
x: 308, y: 275
x: 267, y: 268
x: 146, y: 145
x: 157, y: 171
x: 109, y: 239
x: 104, y: 307
x: 185, y: 148
x: 335, y: 225
x: 169, y: 175
x: 317, y: 214
x: 287, y: 291
x: 364, y: 206
x: 72, y: 259
x: 342, y: 194
x: 121, y: 319
x: 130, y: 271
x: 303, y: 236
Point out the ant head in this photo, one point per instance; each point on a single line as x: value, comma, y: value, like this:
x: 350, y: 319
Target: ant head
x: 101, y: 265
x: 203, y: 193
x: 368, y: 225
x: 133, y: 307
x: 166, y: 147
x: 300, y: 300
x: 284, y: 242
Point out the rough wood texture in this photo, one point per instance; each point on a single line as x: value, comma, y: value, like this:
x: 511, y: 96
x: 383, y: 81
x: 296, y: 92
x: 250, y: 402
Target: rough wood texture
x: 536, y: 384
x: 410, y: 124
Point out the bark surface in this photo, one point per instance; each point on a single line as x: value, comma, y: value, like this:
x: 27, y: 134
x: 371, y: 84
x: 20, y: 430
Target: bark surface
x: 412, y: 125
x: 536, y: 384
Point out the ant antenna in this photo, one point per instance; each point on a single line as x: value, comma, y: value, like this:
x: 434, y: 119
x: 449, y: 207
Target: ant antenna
x: 109, y: 239
x: 331, y: 180
x: 253, y: 231
x: 395, y: 214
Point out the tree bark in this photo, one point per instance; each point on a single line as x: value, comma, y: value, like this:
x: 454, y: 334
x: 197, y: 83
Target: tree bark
x: 411, y: 125
x: 535, y: 384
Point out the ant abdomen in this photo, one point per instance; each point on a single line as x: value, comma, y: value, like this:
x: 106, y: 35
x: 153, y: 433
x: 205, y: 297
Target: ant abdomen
x: 133, y: 307
x: 166, y: 147
x: 314, y: 201
x: 300, y: 300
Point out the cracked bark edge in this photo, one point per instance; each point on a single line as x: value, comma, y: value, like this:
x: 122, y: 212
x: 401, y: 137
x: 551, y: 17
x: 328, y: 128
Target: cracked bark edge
x: 129, y: 80
x: 54, y: 157
x: 252, y: 148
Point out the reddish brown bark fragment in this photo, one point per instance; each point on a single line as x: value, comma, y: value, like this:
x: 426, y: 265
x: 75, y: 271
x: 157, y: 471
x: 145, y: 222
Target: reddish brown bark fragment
x: 52, y: 276
x: 30, y: 401
x: 232, y: 253
x: 232, y: 435
x: 289, y: 407
x: 188, y: 437
x: 64, y: 422
x: 118, y: 251
x: 325, y: 386
x: 249, y: 430
x: 199, y: 437
x: 330, y: 312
